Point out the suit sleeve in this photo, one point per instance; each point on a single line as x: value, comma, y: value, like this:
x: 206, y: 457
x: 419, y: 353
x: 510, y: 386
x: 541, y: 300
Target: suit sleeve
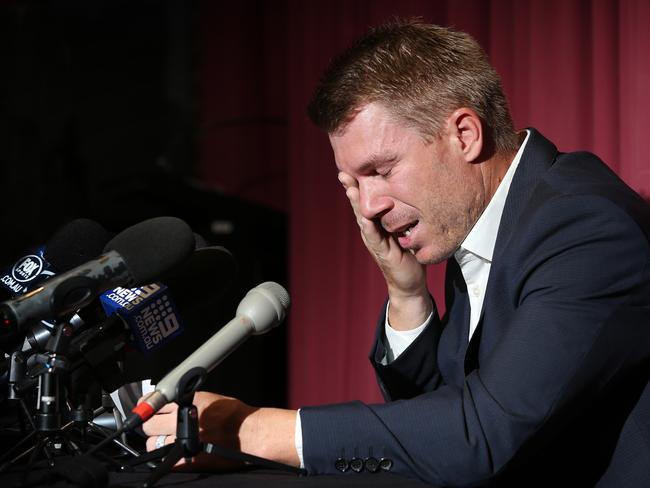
x: 416, y: 369
x: 578, y: 294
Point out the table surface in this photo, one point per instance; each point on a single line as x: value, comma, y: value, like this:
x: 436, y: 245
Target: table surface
x: 267, y: 479
x: 40, y: 475
x: 242, y: 479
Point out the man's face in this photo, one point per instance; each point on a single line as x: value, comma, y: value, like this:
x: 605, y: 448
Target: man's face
x: 425, y: 194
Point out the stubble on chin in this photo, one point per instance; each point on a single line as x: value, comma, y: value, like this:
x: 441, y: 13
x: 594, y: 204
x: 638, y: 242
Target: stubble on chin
x: 443, y: 245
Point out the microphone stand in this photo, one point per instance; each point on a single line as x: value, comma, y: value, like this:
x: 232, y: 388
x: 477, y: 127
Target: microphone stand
x: 49, y: 436
x: 17, y: 374
x: 187, y: 444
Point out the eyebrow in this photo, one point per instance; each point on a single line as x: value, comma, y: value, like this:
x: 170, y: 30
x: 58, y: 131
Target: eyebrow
x: 376, y: 160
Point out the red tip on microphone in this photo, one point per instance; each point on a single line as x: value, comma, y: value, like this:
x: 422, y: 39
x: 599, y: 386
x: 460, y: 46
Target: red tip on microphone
x: 143, y: 410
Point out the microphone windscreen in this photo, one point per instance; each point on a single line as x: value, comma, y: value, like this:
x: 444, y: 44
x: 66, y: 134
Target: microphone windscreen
x: 76, y: 243
x: 152, y: 247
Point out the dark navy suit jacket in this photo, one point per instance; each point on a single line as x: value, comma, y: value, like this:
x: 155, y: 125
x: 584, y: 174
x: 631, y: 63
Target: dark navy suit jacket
x: 553, y: 388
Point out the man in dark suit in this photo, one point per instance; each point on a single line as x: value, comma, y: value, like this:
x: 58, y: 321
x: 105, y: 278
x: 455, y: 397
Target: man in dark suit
x: 538, y: 372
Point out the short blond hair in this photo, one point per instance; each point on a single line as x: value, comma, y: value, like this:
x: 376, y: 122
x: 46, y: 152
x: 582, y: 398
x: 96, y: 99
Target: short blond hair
x: 420, y: 73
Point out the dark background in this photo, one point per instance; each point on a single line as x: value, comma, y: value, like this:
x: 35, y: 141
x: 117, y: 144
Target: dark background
x: 99, y: 118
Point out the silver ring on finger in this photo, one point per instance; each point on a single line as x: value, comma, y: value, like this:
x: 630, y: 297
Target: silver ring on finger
x: 160, y: 441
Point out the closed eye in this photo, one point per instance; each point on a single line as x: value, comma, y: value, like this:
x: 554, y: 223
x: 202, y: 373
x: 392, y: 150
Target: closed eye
x: 381, y: 165
x: 386, y: 169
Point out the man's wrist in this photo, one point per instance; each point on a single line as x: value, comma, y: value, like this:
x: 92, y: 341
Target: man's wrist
x: 409, y: 312
x: 270, y: 433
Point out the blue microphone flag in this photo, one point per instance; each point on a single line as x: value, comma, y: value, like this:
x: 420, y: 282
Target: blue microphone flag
x: 149, y: 311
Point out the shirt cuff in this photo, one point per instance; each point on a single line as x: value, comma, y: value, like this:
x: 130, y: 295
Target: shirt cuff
x: 298, y: 440
x: 397, y: 341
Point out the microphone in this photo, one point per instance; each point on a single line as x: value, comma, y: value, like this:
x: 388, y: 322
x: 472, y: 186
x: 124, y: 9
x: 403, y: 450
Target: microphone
x: 138, y: 255
x: 71, y: 245
x: 75, y: 243
x: 262, y: 309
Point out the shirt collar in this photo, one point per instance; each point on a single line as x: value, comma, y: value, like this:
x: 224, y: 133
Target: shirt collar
x: 483, y: 236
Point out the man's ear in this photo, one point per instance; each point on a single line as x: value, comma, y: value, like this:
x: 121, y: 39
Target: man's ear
x: 466, y: 132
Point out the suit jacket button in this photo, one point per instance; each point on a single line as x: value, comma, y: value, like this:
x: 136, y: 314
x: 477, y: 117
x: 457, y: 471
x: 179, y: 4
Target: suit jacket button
x: 341, y: 464
x: 356, y: 464
x: 372, y: 464
x: 385, y: 464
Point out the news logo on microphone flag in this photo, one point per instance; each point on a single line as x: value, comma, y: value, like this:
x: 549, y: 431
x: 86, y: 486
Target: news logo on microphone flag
x: 149, y: 311
x: 26, y: 273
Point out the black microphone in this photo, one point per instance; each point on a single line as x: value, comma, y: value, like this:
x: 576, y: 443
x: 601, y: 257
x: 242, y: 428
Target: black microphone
x: 138, y: 255
x: 71, y: 245
x: 78, y: 241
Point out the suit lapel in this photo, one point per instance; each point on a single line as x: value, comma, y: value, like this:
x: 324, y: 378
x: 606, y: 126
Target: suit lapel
x: 458, y: 314
x: 538, y: 156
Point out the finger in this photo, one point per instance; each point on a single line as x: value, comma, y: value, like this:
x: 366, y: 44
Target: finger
x: 153, y: 442
x: 347, y: 181
x: 371, y: 232
x: 353, y: 195
x: 160, y: 424
x: 169, y: 408
x: 352, y: 192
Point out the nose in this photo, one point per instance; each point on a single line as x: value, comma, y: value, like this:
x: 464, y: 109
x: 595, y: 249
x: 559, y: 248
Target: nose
x: 373, y: 202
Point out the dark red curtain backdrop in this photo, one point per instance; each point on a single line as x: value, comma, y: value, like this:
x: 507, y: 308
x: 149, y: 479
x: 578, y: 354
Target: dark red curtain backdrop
x: 577, y: 70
